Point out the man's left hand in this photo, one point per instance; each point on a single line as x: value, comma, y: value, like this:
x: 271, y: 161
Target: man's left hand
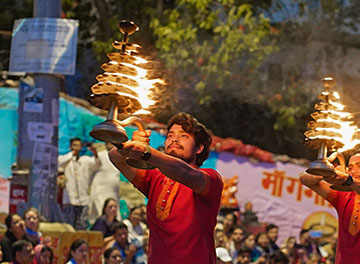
x: 338, y: 178
x: 132, y: 149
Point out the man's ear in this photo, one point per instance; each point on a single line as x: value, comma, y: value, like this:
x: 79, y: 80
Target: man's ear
x: 200, y: 149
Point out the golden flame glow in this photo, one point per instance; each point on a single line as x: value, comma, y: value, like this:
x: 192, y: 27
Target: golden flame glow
x: 144, y: 88
x: 347, y: 128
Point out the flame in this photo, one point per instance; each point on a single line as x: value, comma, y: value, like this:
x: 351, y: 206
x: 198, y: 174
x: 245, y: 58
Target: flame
x: 144, y: 85
x: 347, y: 128
x: 126, y: 69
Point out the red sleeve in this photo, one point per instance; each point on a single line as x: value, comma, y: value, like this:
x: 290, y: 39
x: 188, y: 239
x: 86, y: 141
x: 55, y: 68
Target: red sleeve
x: 142, y: 181
x: 214, y: 185
x: 333, y: 197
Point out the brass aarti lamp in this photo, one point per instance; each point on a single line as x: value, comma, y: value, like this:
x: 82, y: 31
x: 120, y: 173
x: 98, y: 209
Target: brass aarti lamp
x: 326, y: 133
x: 124, y: 87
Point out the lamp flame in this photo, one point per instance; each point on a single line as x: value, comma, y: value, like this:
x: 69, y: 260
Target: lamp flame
x: 333, y: 124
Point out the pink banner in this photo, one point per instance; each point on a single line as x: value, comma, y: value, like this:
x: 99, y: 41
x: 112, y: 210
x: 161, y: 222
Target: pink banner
x: 277, y: 195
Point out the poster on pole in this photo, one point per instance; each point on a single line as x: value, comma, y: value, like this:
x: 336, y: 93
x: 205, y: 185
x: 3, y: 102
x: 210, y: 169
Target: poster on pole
x: 4, y: 195
x: 44, y: 45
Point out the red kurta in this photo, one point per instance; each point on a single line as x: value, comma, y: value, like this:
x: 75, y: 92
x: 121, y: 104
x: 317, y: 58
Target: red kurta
x: 181, y: 221
x: 347, y: 205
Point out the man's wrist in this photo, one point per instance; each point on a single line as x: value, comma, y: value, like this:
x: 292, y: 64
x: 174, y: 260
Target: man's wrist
x: 349, y: 181
x: 146, y: 154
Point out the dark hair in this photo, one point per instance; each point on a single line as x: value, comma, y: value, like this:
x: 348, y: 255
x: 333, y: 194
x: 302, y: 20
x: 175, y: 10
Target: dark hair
x: 201, y: 134
x: 106, y: 203
x: 270, y: 226
x: 19, y: 246
x: 238, y: 227
x: 279, y: 257
x: 8, y: 220
x: 117, y: 225
x: 244, y: 249
x: 74, y: 139
x: 258, y: 235
x: 109, y: 251
x: 74, y: 246
x: 46, y: 248
x: 134, y: 208
x: 234, y: 221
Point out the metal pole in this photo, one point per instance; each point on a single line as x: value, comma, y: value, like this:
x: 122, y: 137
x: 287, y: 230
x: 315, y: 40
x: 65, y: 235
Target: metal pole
x: 31, y: 153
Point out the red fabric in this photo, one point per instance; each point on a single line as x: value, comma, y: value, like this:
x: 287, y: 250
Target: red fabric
x: 348, y: 245
x: 186, y: 235
x: 239, y: 148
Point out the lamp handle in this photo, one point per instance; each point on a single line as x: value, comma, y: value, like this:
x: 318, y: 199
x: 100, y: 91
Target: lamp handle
x: 340, y: 157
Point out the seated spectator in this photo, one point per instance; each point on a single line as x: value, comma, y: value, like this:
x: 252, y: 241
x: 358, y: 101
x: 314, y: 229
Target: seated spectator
x: 243, y: 256
x: 260, y: 253
x: 15, y: 231
x: 221, y: 239
x: 222, y: 256
x: 79, y: 252
x: 135, y: 229
x: 288, y: 248
x: 229, y: 222
x: 272, y: 234
x: 108, y: 217
x: 112, y: 256
x: 306, y: 247
x: 314, y: 258
x: 237, y: 236
x: 23, y: 252
x: 43, y: 254
x: 278, y: 257
x: 131, y: 253
x: 32, y: 220
x: 249, y: 241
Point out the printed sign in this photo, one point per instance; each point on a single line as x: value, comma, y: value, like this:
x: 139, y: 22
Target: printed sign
x: 44, y: 45
x: 40, y: 131
x: 4, y: 195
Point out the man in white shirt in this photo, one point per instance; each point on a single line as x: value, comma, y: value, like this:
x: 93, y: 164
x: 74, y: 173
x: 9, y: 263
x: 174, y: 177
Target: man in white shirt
x: 105, y: 184
x: 78, y: 171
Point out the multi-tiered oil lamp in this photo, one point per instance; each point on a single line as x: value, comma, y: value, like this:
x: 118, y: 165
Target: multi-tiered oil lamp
x: 125, y: 87
x: 329, y: 132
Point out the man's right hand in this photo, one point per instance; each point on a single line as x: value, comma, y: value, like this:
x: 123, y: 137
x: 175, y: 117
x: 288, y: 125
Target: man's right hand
x: 142, y: 136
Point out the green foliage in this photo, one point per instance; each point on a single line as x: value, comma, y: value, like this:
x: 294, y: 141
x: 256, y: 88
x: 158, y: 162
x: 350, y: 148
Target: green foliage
x: 204, y: 42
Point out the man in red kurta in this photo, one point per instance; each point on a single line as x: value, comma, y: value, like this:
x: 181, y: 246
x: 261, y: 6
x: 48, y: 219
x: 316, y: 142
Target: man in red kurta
x: 347, y: 205
x: 183, y: 200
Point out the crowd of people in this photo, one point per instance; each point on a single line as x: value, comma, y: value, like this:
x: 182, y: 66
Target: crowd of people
x: 235, y: 244
x: 182, y: 221
x: 126, y: 241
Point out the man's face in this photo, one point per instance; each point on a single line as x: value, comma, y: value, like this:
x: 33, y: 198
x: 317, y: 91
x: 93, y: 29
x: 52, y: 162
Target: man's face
x: 237, y: 235
x: 76, y: 146
x: 121, y: 236
x: 354, y: 166
x: 26, y: 255
x: 273, y: 234
x: 181, y: 144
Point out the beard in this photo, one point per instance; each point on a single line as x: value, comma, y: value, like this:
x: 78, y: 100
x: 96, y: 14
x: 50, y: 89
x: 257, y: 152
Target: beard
x: 187, y: 159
